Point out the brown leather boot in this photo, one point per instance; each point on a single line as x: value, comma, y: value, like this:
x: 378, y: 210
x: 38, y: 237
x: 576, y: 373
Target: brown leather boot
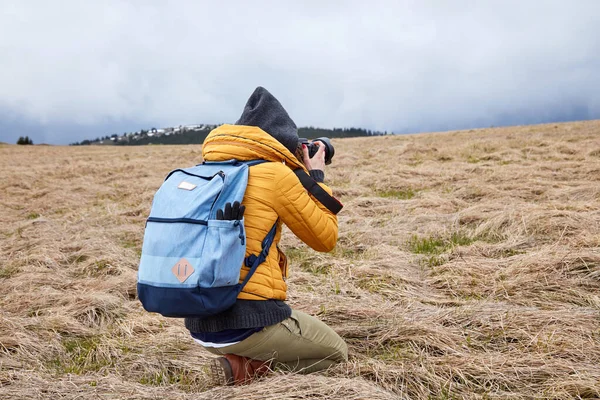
x: 237, y: 370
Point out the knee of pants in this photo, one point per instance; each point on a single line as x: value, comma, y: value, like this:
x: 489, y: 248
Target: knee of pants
x: 339, y: 352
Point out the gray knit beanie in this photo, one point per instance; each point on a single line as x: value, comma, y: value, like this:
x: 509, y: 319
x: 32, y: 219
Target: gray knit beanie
x: 266, y: 112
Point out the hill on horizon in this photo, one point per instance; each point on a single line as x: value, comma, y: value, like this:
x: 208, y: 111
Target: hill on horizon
x: 195, y: 134
x: 467, y: 266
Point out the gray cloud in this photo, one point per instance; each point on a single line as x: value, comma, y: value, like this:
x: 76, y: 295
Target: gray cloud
x: 72, y: 70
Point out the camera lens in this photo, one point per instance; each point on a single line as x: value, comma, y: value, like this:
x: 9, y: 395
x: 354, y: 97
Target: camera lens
x: 329, y: 150
x: 313, y: 147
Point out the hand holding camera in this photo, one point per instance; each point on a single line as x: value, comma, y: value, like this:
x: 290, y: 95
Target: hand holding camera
x: 317, y: 153
x: 317, y: 161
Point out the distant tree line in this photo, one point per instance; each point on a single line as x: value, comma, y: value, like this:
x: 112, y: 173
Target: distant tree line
x: 313, y: 133
x: 197, y: 136
x: 24, y: 140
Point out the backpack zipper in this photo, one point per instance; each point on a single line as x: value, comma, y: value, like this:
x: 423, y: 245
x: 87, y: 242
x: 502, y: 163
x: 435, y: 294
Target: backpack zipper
x: 177, y: 220
x: 222, y: 175
x: 241, y: 236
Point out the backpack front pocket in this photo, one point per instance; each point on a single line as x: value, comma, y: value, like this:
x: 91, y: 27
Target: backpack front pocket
x: 172, y: 254
x: 224, y: 251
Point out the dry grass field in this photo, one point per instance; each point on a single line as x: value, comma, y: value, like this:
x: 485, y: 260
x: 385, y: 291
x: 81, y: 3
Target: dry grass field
x: 468, y: 266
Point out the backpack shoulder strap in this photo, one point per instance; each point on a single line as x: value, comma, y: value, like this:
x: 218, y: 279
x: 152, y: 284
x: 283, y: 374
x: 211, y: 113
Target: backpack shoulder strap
x: 253, y: 261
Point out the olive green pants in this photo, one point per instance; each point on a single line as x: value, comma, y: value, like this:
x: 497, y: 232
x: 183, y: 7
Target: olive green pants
x: 300, y: 343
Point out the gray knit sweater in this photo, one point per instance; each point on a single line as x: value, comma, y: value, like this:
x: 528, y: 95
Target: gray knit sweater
x: 244, y: 314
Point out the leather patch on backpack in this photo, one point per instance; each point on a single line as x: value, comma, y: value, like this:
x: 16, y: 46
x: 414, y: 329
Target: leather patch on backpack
x: 182, y: 270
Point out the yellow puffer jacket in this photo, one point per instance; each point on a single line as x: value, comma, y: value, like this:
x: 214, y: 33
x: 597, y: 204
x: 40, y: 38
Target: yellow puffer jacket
x: 273, y: 192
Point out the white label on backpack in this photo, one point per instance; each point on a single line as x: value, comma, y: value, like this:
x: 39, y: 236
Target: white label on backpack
x: 186, y: 186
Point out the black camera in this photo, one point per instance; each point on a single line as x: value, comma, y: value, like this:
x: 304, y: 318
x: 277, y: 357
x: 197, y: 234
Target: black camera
x: 313, y: 147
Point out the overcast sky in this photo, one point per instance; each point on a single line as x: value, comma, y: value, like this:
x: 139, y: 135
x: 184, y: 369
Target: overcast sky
x: 74, y: 70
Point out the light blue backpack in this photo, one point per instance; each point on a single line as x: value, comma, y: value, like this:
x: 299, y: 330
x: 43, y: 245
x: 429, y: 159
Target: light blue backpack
x: 191, y: 262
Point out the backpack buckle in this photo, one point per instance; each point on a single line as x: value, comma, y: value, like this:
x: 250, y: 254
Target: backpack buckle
x: 250, y: 260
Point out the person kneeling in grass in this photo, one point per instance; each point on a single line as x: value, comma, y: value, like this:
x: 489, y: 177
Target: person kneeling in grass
x: 261, y: 332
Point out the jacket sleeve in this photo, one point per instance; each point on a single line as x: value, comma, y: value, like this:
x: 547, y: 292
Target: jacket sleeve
x: 308, y: 219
